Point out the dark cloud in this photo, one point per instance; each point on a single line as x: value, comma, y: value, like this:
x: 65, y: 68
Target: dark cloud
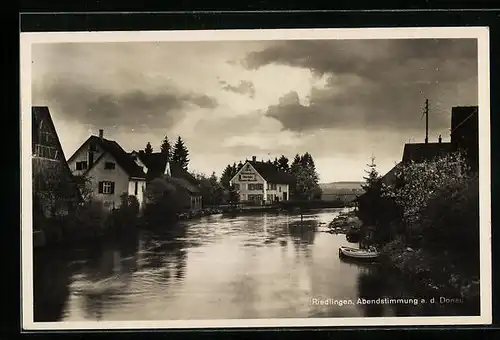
x: 244, y: 87
x: 375, y: 83
x: 367, y: 57
x: 132, y: 109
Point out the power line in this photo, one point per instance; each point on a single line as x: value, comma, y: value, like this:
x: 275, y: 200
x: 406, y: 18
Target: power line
x: 463, y: 121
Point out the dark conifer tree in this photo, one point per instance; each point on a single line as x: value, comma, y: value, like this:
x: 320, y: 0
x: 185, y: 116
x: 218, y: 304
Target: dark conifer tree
x: 180, y: 155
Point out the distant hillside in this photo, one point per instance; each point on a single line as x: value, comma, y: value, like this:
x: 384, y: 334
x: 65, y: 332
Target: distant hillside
x: 341, y: 185
x: 341, y: 190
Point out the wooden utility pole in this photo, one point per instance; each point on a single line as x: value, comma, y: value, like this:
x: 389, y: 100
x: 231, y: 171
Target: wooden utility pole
x: 426, y: 121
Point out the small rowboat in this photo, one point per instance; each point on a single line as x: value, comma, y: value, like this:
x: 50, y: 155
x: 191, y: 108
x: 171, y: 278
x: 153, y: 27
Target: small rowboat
x: 356, y: 253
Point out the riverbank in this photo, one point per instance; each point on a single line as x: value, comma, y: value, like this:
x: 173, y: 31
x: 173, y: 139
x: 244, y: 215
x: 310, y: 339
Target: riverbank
x: 345, y: 223
x: 288, y: 206
x: 434, y: 271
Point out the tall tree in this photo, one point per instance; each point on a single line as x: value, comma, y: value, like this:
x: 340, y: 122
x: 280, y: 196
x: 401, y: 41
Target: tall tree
x: 234, y: 197
x: 217, y: 191
x: 166, y: 148
x: 372, y: 177
x: 295, y: 164
x: 309, y: 164
x: 371, y: 203
x: 148, y: 149
x: 304, y: 171
x: 306, y: 187
x: 226, y: 176
x: 306, y: 159
x: 210, y: 188
x: 180, y: 154
x: 283, y: 164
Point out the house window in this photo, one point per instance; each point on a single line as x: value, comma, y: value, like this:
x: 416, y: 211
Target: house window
x: 255, y: 198
x: 272, y: 187
x: 257, y: 186
x: 279, y: 189
x: 107, y: 187
x: 44, y: 151
x: 109, y: 165
x: 81, y: 165
x: 236, y: 186
x: 136, y: 189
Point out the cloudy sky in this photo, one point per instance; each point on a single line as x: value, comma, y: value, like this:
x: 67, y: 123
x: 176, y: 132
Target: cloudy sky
x: 341, y: 100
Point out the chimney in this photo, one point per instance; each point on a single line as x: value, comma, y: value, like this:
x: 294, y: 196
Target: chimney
x: 439, y: 139
x: 101, y: 133
x: 254, y: 158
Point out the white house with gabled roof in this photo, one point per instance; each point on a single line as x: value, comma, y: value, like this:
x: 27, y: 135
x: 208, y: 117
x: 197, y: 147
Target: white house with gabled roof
x: 262, y: 183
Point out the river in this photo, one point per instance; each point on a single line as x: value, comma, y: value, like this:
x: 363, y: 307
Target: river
x: 262, y: 265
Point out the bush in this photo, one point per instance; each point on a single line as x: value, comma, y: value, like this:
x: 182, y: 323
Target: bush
x: 165, y: 202
x: 126, y: 215
x: 89, y: 220
x: 450, y: 224
x: 436, y: 237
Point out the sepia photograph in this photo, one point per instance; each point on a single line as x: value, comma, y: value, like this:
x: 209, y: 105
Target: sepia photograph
x: 255, y: 178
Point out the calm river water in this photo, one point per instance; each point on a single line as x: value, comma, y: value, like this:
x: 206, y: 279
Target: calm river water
x: 218, y: 267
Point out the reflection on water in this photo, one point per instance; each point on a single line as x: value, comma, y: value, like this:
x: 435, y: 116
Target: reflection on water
x: 254, y: 266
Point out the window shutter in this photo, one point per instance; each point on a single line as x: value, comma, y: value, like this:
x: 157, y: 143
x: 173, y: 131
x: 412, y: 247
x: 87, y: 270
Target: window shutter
x: 112, y: 187
x: 101, y: 185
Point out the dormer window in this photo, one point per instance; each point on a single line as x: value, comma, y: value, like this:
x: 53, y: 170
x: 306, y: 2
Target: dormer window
x: 109, y: 166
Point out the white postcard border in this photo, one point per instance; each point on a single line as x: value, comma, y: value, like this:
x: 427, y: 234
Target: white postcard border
x: 479, y: 33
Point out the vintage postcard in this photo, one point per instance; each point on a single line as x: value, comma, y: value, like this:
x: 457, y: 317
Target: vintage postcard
x: 255, y: 178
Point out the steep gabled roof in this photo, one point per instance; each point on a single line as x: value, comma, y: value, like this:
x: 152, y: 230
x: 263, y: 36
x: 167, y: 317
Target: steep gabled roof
x: 420, y: 152
x: 116, y: 151
x: 184, y: 183
x: 390, y: 176
x: 41, y: 114
x: 154, y: 162
x: 271, y: 173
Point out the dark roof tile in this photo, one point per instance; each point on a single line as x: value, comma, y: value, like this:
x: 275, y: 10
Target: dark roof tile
x: 420, y: 152
x: 121, y: 156
x: 156, y: 164
x: 271, y: 174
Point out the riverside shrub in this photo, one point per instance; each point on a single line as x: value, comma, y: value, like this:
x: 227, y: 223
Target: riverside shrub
x: 436, y: 235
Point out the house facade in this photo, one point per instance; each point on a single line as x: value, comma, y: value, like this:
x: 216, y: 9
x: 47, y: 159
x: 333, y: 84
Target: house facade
x: 261, y: 183
x: 156, y: 165
x: 110, y: 170
x: 55, y: 193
